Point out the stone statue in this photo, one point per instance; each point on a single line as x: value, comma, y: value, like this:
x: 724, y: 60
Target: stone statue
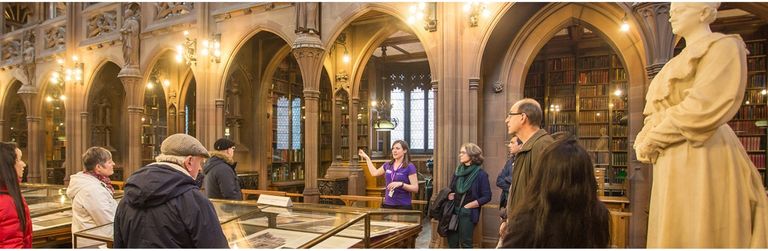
x: 706, y: 192
x: 308, y: 18
x: 602, y: 143
x: 130, y: 36
x: 28, y: 60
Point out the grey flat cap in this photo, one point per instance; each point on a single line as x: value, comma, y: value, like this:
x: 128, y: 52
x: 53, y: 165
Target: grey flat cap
x: 183, y: 145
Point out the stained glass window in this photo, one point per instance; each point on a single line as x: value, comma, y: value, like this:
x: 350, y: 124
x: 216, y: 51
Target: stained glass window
x: 417, y: 118
x: 296, y: 124
x: 398, y: 113
x: 431, y: 115
x: 283, y: 121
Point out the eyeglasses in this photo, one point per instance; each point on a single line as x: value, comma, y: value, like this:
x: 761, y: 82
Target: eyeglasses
x: 515, y: 113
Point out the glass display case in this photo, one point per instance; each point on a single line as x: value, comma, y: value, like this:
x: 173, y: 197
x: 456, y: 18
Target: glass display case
x: 249, y: 225
x: 226, y: 210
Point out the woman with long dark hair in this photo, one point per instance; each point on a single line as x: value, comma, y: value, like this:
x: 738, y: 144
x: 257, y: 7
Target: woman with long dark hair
x: 15, y: 224
x: 560, y: 208
x: 470, y: 190
x: 399, y: 176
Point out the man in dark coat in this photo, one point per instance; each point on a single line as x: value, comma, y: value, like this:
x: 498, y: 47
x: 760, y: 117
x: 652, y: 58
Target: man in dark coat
x: 220, y: 176
x: 163, y: 208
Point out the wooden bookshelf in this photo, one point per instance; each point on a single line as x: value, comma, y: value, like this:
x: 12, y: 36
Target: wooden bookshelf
x: 580, y: 97
x: 754, y: 107
x: 342, y: 110
x: 363, y: 117
x: 326, y: 126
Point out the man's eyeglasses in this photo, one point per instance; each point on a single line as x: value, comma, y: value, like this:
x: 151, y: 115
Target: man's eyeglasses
x: 515, y: 113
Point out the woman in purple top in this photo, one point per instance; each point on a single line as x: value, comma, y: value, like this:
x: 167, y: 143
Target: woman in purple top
x: 399, y: 176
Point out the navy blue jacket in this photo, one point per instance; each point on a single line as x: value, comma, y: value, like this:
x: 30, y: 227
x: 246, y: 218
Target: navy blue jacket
x: 504, y: 181
x: 480, y: 191
x: 221, y: 179
x: 163, y: 208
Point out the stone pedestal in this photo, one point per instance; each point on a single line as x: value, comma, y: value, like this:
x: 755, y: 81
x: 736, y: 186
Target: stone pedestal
x: 352, y: 172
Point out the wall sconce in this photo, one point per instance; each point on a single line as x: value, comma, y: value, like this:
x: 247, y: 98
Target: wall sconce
x: 426, y: 12
x: 212, y: 48
x: 342, y: 40
x: 624, y: 24
x: 475, y: 10
x: 72, y: 74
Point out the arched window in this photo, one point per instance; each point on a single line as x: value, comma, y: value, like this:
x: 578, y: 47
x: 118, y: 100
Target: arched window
x: 413, y: 108
x: 283, y: 122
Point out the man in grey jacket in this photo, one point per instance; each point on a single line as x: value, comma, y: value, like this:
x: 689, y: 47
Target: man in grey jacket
x: 220, y: 177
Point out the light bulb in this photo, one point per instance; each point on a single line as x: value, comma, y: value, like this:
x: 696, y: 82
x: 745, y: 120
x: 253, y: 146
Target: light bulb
x: 178, y: 58
x: 617, y: 93
x: 467, y: 7
x: 205, y: 43
x: 373, y: 103
x: 217, y: 53
x: 179, y: 49
x: 166, y: 82
x: 345, y: 58
x: 75, y: 58
x: 422, y: 5
x: 62, y: 97
x: 204, y: 52
x: 186, y: 33
x: 624, y: 26
x: 486, y: 13
x: 411, y: 20
x: 150, y: 85
x: 60, y: 61
x: 49, y: 99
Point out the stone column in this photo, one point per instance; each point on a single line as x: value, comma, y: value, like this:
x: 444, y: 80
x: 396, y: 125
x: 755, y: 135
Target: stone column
x: 308, y: 51
x: 474, y: 86
x: 35, y: 140
x: 131, y: 79
x: 660, y: 44
x: 220, y: 123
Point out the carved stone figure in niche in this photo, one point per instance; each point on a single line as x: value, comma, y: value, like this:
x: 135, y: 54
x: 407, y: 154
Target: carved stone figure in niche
x: 308, y: 18
x: 170, y: 9
x: 100, y: 24
x: 233, y: 98
x: 130, y: 36
x: 704, y: 184
x: 104, y: 111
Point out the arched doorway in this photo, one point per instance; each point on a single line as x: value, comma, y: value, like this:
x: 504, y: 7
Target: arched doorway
x: 106, y: 102
x: 54, y: 124
x: 15, y: 117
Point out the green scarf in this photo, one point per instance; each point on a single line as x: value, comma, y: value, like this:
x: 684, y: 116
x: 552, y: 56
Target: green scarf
x: 465, y: 176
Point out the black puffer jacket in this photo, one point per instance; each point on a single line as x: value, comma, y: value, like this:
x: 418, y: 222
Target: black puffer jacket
x: 162, y: 208
x: 220, y: 178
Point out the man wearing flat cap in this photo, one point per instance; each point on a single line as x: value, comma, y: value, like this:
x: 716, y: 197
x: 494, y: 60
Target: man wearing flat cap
x: 220, y: 176
x: 163, y: 208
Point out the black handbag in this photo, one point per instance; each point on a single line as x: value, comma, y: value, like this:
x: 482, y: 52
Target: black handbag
x: 453, y: 224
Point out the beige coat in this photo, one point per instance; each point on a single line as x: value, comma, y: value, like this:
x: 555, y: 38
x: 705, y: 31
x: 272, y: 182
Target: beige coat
x: 706, y: 191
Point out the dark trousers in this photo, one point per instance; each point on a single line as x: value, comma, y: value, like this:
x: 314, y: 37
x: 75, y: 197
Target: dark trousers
x: 403, y: 207
x: 462, y: 237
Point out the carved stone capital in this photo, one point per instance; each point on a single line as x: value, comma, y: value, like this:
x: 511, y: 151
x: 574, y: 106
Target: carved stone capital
x: 654, y: 20
x: 219, y: 103
x: 474, y: 83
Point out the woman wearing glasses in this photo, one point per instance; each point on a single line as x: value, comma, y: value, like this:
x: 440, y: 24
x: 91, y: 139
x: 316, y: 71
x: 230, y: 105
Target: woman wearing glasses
x: 470, y: 191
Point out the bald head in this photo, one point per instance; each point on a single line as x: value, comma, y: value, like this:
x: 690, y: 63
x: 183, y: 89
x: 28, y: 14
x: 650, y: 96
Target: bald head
x: 532, y: 110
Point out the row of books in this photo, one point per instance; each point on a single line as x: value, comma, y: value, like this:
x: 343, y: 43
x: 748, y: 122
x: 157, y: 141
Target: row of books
x: 756, y: 48
x: 534, y: 92
x: 619, y: 75
x: 758, y: 159
x: 615, y: 62
x: 561, y: 128
x: 559, y: 64
x: 593, y: 117
x: 565, y: 103
x: 593, y: 90
x: 562, y: 77
x: 619, y: 104
x: 592, y: 130
x: 288, y: 155
x: 618, y: 130
x: 594, y: 103
x: 562, y: 90
x: 593, y: 77
x: 562, y: 117
x: 594, y: 62
x: 751, y: 112
x: 745, y: 127
x: 534, y: 79
x: 754, y: 97
x: 751, y: 143
x: 600, y: 144
x: 756, y: 81
x: 537, y: 66
x: 756, y: 64
x: 619, y: 159
x: 619, y: 144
